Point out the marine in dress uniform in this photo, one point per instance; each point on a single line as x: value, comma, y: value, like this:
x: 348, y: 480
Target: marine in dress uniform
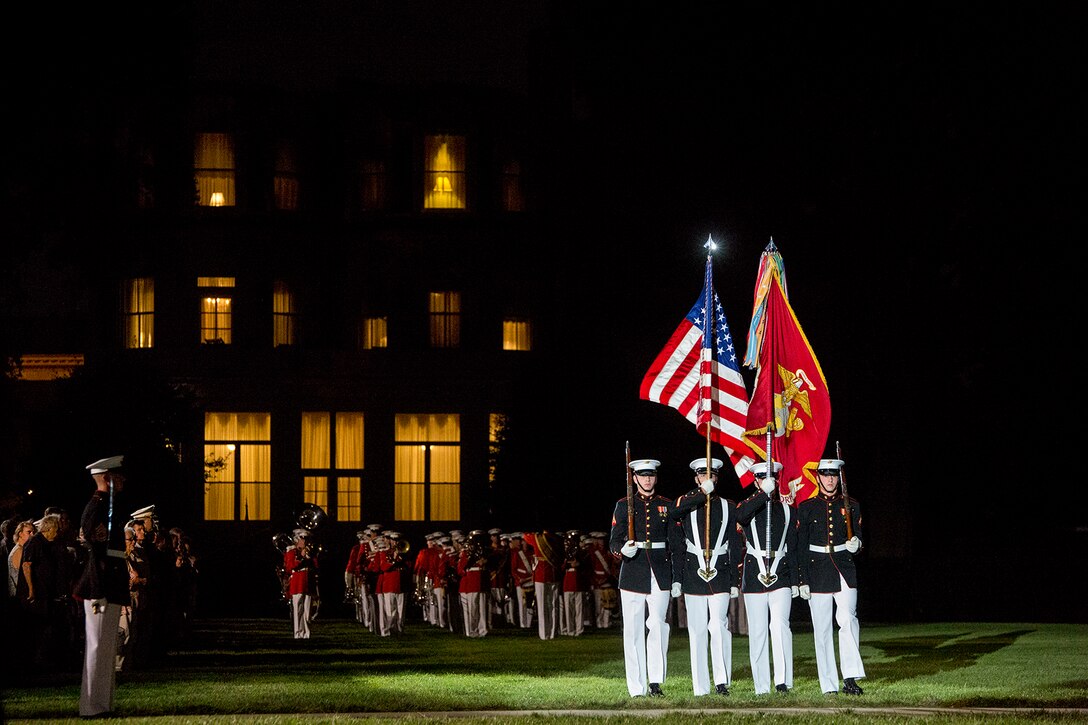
x: 770, y: 579
x: 521, y: 576
x: 547, y: 560
x: 651, y: 571
x: 603, y: 580
x: 389, y: 565
x: 575, y: 585
x: 829, y: 578
x: 475, y: 586
x: 103, y: 586
x: 709, y: 586
x: 442, y: 565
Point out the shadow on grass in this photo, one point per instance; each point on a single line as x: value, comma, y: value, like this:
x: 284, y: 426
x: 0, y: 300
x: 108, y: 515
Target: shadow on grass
x: 930, y: 655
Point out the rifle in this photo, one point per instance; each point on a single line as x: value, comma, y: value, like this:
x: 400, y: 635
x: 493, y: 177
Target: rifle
x: 630, y: 498
x: 845, y: 497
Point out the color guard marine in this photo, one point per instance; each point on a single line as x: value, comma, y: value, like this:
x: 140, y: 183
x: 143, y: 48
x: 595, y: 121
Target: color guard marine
x: 650, y: 571
x: 828, y: 538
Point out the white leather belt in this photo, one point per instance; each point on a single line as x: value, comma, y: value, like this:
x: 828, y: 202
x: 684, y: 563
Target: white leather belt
x: 760, y: 552
x: 474, y: 568
x: 693, y: 549
x: 827, y: 549
x: 650, y: 544
x: 115, y: 553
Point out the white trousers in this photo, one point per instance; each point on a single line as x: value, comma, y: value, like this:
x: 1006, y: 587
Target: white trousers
x: 99, y: 660
x: 775, y: 607
x: 547, y: 608
x: 525, y: 615
x: 300, y: 615
x: 440, y: 613
x: 390, y: 613
x: 844, y: 603
x: 601, y: 616
x: 645, y: 656
x: 709, y: 615
x: 476, y: 606
x: 574, y: 614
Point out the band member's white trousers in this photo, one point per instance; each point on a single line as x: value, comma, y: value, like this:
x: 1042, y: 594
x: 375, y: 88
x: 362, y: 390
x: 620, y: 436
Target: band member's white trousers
x: 390, y: 613
x: 547, y: 608
x: 602, y: 617
x: 475, y: 606
x: 100, y: 658
x: 845, y: 605
x: 300, y: 615
x: 525, y: 615
x: 645, y: 637
x: 708, y: 619
x: 574, y: 613
x: 438, y: 596
x: 769, y: 614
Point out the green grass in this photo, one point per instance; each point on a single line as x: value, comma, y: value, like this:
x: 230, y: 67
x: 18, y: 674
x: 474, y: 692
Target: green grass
x: 253, y: 671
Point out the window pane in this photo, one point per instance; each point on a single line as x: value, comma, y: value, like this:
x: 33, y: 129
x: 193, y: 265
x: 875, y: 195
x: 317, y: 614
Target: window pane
x: 284, y: 314
x: 444, y: 175
x: 515, y: 335
x: 445, y: 464
x: 256, y: 462
x: 315, y: 440
x: 349, y: 499
x: 446, y: 502
x: 511, y: 187
x: 410, y: 427
x: 349, y: 440
x: 256, y: 501
x: 444, y: 427
x: 410, y: 464
x: 408, y: 502
x: 445, y: 318
x: 254, y: 426
x: 219, y: 501
x: 214, y: 169
x: 285, y: 180
x: 219, y: 462
x: 139, y: 311
x: 374, y: 333
x: 315, y: 490
x: 215, y: 320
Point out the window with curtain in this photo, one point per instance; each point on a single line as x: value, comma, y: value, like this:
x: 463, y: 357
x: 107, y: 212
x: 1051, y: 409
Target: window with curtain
x: 516, y: 334
x: 215, y: 309
x: 444, y: 173
x: 496, y: 436
x: 285, y: 178
x: 139, y: 312
x: 214, y: 169
x: 427, y: 467
x: 284, y: 314
x: 373, y: 181
x: 511, y: 186
x: 374, y: 333
x: 332, y: 451
x: 445, y: 318
x: 237, y: 466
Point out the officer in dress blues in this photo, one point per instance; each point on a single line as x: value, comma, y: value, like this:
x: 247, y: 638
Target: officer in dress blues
x: 771, y: 579
x: 651, y: 570
x: 709, y: 586
x: 829, y: 577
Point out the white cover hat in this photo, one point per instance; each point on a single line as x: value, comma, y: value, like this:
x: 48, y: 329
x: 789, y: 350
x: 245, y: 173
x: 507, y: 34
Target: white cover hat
x: 700, y: 464
x: 145, y: 513
x: 644, y: 464
x: 103, y: 465
x: 761, y: 467
x: 829, y: 464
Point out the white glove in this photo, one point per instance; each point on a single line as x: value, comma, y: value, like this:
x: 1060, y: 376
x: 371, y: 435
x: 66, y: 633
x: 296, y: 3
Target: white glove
x: 806, y: 592
x: 853, y: 544
x: 629, y: 549
x: 768, y: 485
x: 676, y: 590
x: 734, y: 592
x: 794, y: 591
x: 707, y: 487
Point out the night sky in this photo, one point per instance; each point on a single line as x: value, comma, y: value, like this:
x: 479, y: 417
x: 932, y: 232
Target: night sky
x: 917, y: 164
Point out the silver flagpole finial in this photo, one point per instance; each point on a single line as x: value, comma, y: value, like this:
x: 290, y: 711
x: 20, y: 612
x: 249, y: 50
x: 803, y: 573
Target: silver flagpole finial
x: 710, y: 245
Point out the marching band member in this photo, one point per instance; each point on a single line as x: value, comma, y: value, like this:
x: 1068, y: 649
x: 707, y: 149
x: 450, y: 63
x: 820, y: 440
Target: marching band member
x: 521, y: 575
x: 300, y: 563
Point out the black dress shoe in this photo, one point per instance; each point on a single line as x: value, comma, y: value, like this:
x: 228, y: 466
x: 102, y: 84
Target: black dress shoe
x: 721, y: 689
x: 655, y: 690
x: 850, y: 687
x: 782, y: 688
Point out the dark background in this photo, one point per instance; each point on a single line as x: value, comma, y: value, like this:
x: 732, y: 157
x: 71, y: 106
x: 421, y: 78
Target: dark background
x: 918, y: 166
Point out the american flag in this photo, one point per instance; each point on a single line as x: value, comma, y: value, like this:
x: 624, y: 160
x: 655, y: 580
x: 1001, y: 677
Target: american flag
x: 702, y: 380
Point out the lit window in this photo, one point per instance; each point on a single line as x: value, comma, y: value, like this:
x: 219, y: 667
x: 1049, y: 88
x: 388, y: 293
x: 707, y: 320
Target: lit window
x: 285, y: 178
x: 516, y: 334
x: 495, y: 438
x: 215, y: 309
x: 214, y: 169
x: 43, y: 367
x: 284, y: 314
x: 237, y: 466
x: 374, y: 333
x: 139, y: 312
x: 427, y: 468
x: 445, y: 316
x: 333, y: 453
x: 511, y: 187
x: 444, y: 175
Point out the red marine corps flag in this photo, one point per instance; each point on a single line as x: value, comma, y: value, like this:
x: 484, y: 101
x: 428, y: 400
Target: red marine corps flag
x: 698, y: 374
x: 790, y: 397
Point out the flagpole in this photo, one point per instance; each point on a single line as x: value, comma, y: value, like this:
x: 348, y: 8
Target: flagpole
x: 771, y: 373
